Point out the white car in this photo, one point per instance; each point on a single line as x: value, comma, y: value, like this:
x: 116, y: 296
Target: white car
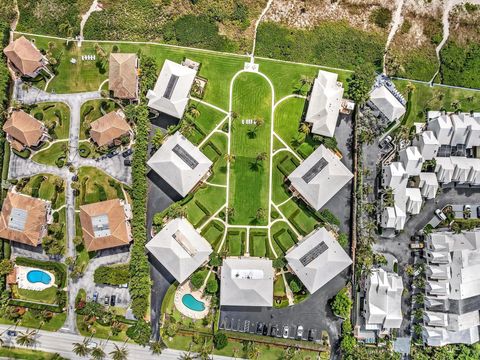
x: 286, y: 330
x: 92, y: 345
x: 299, y: 331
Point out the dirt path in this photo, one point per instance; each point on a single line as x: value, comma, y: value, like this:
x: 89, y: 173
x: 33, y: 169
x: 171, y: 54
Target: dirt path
x: 269, y: 3
x: 447, y: 7
x: 397, y: 21
x: 93, y: 7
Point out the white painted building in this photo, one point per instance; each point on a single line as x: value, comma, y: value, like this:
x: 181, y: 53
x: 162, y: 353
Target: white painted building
x: 412, y: 160
x: 428, y: 185
x: 394, y: 175
x: 427, y: 144
x: 387, y: 104
x: 414, y: 200
x: 444, y: 169
x: 325, y: 103
x: 442, y: 127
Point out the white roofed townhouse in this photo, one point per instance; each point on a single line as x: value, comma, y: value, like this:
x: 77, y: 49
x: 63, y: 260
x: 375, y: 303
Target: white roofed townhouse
x: 180, y: 249
x: 171, y: 92
x: 246, y: 281
x: 394, y: 175
x: 444, y: 169
x: 383, y: 301
x: 414, y: 200
x: 385, y: 102
x: 428, y: 185
x: 460, y: 130
x: 442, y: 127
x: 317, y: 259
x: 473, y: 130
x: 181, y: 164
x: 412, y: 160
x: 427, y: 144
x: 325, y: 103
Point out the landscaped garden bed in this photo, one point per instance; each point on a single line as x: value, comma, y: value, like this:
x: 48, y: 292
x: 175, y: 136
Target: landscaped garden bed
x: 236, y: 242
x: 213, y: 233
x: 55, y: 117
x: 55, y: 155
x: 95, y: 185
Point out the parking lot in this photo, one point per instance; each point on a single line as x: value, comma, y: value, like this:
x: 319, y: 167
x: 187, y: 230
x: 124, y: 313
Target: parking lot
x: 122, y: 296
x: 273, y: 329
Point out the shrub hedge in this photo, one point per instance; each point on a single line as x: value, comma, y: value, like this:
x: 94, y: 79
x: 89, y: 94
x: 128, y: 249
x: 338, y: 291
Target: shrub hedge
x: 112, y: 275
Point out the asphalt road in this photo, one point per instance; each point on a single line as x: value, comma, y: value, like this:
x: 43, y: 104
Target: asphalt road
x: 62, y: 343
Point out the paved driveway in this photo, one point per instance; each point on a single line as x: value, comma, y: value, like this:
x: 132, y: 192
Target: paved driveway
x: 20, y: 167
x: 113, y: 166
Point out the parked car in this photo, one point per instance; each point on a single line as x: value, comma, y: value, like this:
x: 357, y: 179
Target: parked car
x: 127, y: 162
x: 265, y: 330
x: 440, y: 215
x: 91, y: 345
x: 273, y: 331
x: 112, y: 300
x: 11, y: 333
x: 107, y: 300
x: 127, y: 153
x: 112, y: 154
x: 467, y: 211
x: 95, y: 296
x: 299, y: 331
x: 312, y: 334
x: 416, y: 245
x: 124, y: 286
x: 259, y: 328
x: 478, y: 211
x: 286, y: 331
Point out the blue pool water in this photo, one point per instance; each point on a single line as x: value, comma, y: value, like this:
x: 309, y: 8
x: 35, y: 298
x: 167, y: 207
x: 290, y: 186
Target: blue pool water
x: 193, y: 304
x: 36, y: 276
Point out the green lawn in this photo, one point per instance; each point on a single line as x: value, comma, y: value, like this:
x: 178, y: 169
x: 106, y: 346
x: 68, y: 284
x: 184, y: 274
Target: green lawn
x: 95, y: 186
x: 215, y: 149
x: 101, y: 332
x: 249, y: 177
x: 279, y: 287
x: 31, y: 320
x: 235, y: 243
x: 213, y: 233
x: 47, y: 296
x: 425, y: 97
x: 25, y: 354
x: 42, y: 186
x: 299, y: 216
x: 259, y: 245
x: 283, y: 237
x: 208, y: 119
x: 207, y: 200
x: 283, y: 165
x: 54, y: 115
x: 93, y: 110
x: 50, y: 156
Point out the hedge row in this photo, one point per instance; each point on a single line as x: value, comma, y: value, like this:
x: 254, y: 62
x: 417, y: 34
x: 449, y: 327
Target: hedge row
x: 59, y: 269
x: 112, y: 275
x: 36, y: 306
x: 140, y: 282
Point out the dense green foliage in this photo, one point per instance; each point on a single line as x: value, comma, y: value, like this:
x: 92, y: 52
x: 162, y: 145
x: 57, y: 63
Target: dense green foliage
x: 112, y: 275
x: 52, y: 17
x: 360, y: 83
x: 212, y: 285
x: 140, y: 282
x: 448, y: 352
x: 381, y: 17
x: 197, y: 31
x: 342, y: 304
x: 197, y: 279
x: 330, y: 44
x: 460, y: 65
x: 220, y: 340
x: 140, y: 332
x: 329, y: 217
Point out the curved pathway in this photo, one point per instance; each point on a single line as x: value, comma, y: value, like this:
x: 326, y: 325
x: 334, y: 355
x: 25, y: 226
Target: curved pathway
x: 397, y: 20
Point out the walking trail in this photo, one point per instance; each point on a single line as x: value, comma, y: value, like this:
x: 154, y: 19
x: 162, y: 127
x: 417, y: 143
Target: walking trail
x: 269, y: 3
x: 397, y: 20
x: 93, y: 7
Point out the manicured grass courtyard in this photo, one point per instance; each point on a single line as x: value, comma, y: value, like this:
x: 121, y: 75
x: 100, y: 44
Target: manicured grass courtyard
x: 249, y: 175
x: 283, y: 237
x: 95, y: 186
x: 55, y: 155
x: 204, y: 123
x: 259, y: 245
x: 236, y: 242
x: 43, y: 187
x: 207, y: 200
x: 47, y: 296
x: 213, y: 233
x: 55, y: 116
x: 215, y: 149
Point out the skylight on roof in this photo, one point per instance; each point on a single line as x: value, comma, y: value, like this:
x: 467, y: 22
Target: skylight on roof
x: 18, y: 219
x: 315, y: 170
x: 172, y: 82
x: 185, y: 156
x: 183, y: 241
x: 313, y: 253
x: 101, y: 226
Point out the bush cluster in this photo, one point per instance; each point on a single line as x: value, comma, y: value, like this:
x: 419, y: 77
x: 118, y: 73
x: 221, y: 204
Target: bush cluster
x: 112, y: 275
x: 140, y: 282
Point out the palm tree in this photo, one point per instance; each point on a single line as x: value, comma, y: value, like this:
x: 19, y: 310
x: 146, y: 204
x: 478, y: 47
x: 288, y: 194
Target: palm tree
x: 27, y: 338
x: 304, y: 128
x: 261, y: 213
x: 81, y: 349
x: 120, y: 353
x: 229, y: 158
x: 157, y: 347
x: 253, y: 352
x: 261, y: 156
x: 186, y: 356
x: 98, y: 353
x: 231, y: 212
x: 194, y: 112
x: 205, y: 351
x: 187, y: 128
x: 306, y: 80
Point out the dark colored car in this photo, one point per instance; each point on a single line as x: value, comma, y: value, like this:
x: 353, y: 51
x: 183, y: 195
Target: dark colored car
x: 265, y: 330
x: 127, y: 153
x: 95, y: 296
x: 259, y: 328
x: 111, y: 154
x: 127, y: 162
x: 273, y: 331
x: 478, y: 211
x: 311, y: 335
x: 11, y: 333
x: 112, y: 300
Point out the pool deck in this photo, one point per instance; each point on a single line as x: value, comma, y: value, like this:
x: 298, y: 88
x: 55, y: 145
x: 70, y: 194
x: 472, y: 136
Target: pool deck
x: 23, y: 282
x: 184, y: 289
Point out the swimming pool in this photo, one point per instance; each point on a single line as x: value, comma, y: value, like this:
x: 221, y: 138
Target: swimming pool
x: 193, y: 304
x: 39, y: 276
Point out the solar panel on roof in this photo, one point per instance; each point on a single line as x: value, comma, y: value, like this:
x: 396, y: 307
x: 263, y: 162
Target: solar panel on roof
x: 314, y: 170
x: 100, y: 226
x: 18, y: 219
x: 183, y: 241
x: 172, y: 82
x: 185, y: 156
x: 313, y: 253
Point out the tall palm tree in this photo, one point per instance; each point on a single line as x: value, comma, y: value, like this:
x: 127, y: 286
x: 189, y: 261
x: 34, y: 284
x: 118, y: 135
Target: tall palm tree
x: 205, y: 351
x: 261, y: 213
x: 229, y: 158
x: 261, y: 156
x: 187, y: 128
x: 120, y: 353
x: 304, y: 128
x: 186, y: 356
x: 157, y: 347
x: 81, y: 349
x: 27, y: 338
x: 253, y: 351
x: 98, y: 353
x: 66, y: 28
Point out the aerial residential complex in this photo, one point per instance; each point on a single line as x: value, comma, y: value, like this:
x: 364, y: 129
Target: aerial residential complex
x: 246, y: 179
